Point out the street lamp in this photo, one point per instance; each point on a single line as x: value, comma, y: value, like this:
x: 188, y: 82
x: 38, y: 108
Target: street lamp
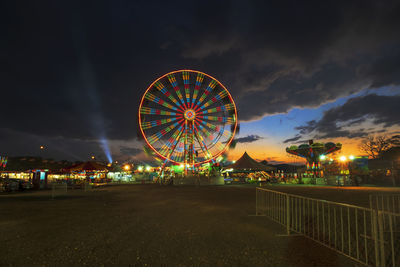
x: 127, y: 167
x: 343, y: 158
x: 351, y: 157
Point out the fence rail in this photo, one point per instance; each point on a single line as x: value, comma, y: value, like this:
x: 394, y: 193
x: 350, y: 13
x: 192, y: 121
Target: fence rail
x: 368, y: 236
x: 59, y: 189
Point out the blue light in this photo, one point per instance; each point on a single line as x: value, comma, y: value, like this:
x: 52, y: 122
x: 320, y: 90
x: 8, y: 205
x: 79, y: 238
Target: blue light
x: 106, y: 149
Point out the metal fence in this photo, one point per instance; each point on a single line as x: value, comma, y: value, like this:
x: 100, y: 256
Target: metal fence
x: 62, y: 188
x: 387, y: 208
x: 58, y: 189
x: 385, y: 202
x: 366, y: 235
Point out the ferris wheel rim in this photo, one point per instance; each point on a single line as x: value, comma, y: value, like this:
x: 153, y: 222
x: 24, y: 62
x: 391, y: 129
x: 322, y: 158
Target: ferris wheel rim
x: 210, y: 77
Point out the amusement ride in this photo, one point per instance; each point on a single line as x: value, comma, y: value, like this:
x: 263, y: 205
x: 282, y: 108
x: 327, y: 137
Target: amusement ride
x: 187, y: 118
x: 313, y: 153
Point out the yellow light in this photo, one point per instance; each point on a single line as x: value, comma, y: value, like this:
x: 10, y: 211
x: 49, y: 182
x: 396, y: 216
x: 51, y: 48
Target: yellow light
x: 41, y: 147
x: 140, y: 168
x: 93, y: 157
x: 233, y: 161
x: 148, y: 168
x: 343, y: 158
x: 127, y: 167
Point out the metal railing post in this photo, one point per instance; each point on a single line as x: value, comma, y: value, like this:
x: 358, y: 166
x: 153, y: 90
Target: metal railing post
x: 392, y: 240
x: 365, y: 239
x: 375, y: 234
x: 52, y: 190
x: 358, y: 253
x: 256, y: 201
x: 381, y: 241
x: 287, y: 215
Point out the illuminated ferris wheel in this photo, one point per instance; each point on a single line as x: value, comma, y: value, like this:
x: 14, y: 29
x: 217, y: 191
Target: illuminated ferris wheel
x: 187, y: 117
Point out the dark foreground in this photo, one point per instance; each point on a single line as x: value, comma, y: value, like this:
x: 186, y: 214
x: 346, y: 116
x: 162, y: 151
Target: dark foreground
x: 149, y: 225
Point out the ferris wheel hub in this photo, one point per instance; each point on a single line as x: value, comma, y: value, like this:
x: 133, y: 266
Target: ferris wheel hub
x: 189, y: 114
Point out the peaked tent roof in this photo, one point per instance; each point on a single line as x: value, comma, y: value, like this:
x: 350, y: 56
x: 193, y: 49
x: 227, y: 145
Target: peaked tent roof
x: 88, y: 166
x: 247, y: 163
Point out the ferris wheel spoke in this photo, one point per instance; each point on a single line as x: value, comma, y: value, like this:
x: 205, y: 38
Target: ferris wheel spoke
x: 226, y: 107
x: 186, y: 81
x: 218, y: 97
x: 203, y: 123
x: 174, y: 83
x: 155, y: 123
x: 197, y: 86
x: 227, y: 120
x: 154, y: 111
x: 172, y: 143
x: 156, y: 99
x: 209, y: 131
x: 157, y: 136
x: 214, y: 134
x: 179, y: 152
x: 202, y: 144
x: 160, y: 86
x: 219, y: 133
x: 206, y: 92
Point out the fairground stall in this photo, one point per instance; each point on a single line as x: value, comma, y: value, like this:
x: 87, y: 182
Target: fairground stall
x: 247, y: 169
x: 90, y: 171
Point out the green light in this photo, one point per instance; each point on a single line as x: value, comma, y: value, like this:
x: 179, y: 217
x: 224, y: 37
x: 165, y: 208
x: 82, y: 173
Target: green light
x: 351, y: 157
x: 322, y: 157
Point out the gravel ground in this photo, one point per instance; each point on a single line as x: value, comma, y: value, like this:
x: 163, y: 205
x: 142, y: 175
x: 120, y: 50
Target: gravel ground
x: 150, y: 225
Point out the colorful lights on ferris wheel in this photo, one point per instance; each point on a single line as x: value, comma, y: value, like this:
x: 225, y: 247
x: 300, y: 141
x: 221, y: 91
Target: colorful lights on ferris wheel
x: 187, y: 118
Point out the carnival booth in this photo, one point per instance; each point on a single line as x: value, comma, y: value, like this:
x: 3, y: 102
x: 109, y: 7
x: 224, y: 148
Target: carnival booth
x: 89, y: 171
x: 247, y: 169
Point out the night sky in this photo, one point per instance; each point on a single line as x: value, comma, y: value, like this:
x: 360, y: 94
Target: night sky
x: 72, y: 72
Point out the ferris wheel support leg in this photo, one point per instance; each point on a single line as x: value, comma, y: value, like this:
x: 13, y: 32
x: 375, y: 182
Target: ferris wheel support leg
x: 185, y: 149
x: 162, y: 171
x: 192, y: 144
x: 200, y: 140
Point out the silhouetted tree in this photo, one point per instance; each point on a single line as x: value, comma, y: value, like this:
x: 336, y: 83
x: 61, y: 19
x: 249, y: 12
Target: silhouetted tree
x: 374, y: 146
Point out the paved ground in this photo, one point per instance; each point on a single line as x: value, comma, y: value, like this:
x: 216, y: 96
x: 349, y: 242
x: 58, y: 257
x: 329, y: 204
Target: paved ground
x: 151, y: 225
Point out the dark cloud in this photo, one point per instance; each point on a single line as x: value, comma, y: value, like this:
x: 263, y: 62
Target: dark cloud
x: 130, y: 151
x: 248, y: 139
x: 293, y: 139
x: 77, y: 70
x: 15, y: 143
x: 379, y: 109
